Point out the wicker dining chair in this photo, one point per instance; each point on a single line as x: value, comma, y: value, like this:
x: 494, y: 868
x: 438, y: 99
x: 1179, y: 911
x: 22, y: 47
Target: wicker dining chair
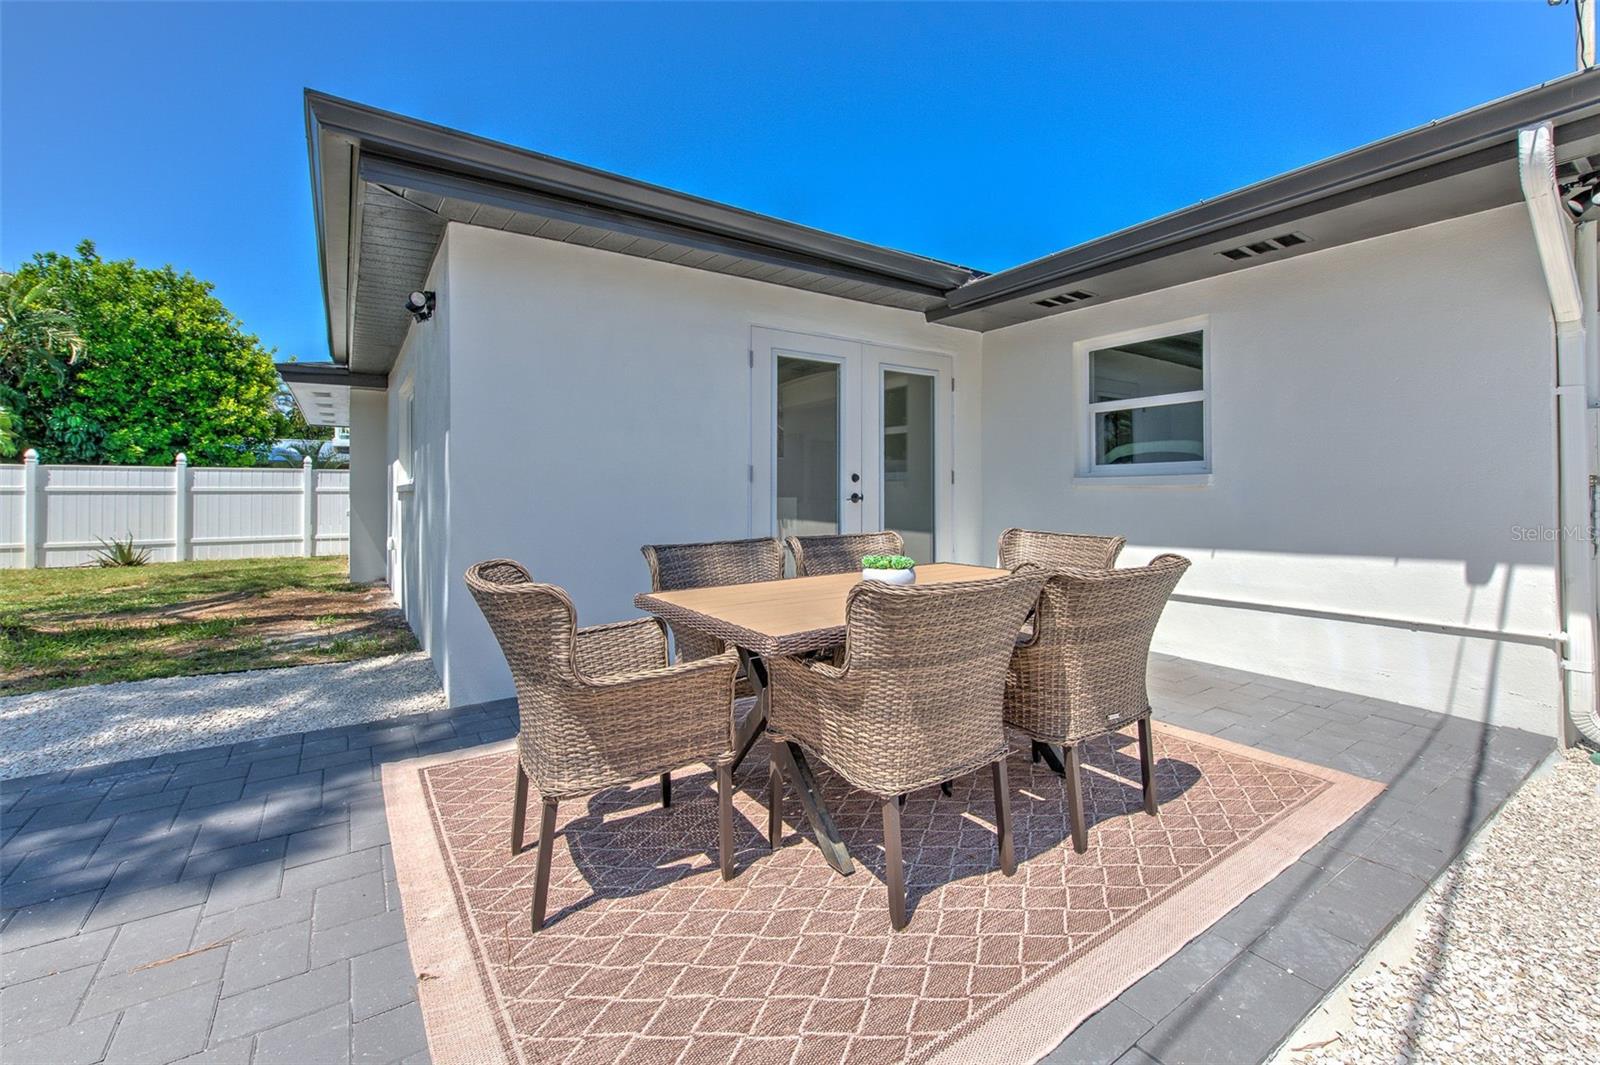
x: 1081, y: 672
x: 674, y: 567
x: 814, y: 555
x: 915, y: 702
x: 1054, y: 550
x: 601, y: 706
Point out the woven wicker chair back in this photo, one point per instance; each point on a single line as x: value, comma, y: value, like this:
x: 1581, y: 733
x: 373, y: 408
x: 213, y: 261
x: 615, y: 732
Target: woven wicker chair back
x: 926, y: 667
x: 816, y: 555
x: 1054, y: 550
x: 1083, y: 673
x: 677, y: 566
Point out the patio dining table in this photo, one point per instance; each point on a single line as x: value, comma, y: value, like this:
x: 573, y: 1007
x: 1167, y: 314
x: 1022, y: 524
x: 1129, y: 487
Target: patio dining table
x: 786, y: 617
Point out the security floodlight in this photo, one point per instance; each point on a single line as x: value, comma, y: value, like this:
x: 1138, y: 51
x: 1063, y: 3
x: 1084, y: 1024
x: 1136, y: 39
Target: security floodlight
x: 420, y: 304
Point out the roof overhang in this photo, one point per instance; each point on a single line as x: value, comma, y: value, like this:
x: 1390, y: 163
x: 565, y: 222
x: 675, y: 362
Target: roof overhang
x: 384, y: 186
x: 322, y: 390
x: 1452, y: 167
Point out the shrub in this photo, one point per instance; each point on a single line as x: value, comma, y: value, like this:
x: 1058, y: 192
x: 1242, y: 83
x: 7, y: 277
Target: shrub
x: 120, y: 553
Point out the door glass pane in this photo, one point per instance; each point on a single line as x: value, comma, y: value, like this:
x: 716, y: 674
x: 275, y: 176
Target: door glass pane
x: 908, y: 460
x: 807, y: 447
x: 1171, y: 433
x: 1147, y: 368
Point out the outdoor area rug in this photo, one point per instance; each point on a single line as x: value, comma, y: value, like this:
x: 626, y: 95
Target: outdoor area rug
x: 648, y: 955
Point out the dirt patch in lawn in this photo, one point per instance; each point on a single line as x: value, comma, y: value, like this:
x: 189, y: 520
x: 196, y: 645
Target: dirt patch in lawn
x: 181, y: 619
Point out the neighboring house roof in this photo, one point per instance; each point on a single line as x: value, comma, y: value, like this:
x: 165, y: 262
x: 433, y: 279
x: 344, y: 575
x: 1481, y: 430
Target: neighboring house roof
x: 384, y: 186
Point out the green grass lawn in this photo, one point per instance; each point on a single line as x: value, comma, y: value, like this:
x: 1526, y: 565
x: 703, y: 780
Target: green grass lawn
x: 61, y: 627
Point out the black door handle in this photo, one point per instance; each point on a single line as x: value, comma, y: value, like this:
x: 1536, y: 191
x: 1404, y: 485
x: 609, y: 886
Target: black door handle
x: 856, y: 497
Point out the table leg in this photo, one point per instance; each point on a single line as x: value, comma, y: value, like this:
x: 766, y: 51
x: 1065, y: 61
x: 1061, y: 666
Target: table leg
x: 792, y: 761
x: 748, y: 732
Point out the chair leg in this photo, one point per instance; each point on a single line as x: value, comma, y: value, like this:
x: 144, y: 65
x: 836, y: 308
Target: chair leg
x: 725, y: 820
x: 1147, y: 765
x: 666, y: 789
x: 519, y: 810
x: 893, y: 870
x: 541, y: 875
x: 1074, y: 786
x: 1002, y: 817
x: 774, y: 803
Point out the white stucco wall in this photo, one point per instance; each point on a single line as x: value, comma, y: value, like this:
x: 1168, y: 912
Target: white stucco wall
x: 369, y: 485
x: 1381, y: 422
x: 601, y: 401
x: 419, y: 518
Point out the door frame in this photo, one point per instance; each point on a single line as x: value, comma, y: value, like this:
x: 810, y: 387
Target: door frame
x: 861, y: 429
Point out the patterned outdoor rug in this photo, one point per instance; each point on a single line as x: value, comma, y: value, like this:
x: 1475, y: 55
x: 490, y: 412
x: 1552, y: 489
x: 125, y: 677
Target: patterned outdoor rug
x: 649, y: 956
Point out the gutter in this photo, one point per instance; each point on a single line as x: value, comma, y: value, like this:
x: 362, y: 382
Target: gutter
x: 1575, y: 549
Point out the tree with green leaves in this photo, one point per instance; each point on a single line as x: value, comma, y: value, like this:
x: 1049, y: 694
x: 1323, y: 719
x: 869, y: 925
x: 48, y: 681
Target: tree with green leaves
x: 39, y: 341
x: 163, y: 367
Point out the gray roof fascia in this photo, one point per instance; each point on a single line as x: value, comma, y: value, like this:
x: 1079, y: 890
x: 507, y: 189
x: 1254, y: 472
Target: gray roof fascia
x: 439, y: 148
x: 403, y: 175
x: 321, y: 373
x: 1481, y: 136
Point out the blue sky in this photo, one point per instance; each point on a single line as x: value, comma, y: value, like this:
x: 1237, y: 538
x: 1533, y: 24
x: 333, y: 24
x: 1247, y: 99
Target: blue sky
x: 986, y: 135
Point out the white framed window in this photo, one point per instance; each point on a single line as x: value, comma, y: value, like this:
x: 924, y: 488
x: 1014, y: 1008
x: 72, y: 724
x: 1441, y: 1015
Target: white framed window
x: 405, y: 436
x: 1146, y: 402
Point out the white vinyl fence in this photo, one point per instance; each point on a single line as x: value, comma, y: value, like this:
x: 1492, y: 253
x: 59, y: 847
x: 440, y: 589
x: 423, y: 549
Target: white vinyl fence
x: 57, y: 515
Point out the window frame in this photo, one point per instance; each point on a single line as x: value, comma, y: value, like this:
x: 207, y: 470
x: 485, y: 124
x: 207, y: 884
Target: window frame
x: 1196, y: 471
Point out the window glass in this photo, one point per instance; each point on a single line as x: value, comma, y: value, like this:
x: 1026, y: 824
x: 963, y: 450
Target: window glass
x: 1171, y: 433
x: 1147, y: 368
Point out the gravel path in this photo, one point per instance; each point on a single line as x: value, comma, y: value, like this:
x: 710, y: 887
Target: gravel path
x: 1506, y: 962
x: 74, y: 727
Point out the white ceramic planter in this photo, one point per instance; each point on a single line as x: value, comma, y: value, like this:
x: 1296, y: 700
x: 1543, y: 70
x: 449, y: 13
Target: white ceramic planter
x: 890, y: 576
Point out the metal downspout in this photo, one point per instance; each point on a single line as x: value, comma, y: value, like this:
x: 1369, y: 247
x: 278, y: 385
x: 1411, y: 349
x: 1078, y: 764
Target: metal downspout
x: 1575, y: 547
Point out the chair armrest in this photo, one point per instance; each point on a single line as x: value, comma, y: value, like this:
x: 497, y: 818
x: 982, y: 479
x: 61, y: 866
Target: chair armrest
x: 621, y: 647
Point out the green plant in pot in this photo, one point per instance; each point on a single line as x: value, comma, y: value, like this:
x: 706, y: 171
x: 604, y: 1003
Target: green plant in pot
x: 891, y: 569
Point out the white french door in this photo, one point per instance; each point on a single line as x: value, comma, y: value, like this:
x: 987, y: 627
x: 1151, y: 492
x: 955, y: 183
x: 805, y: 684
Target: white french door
x: 848, y: 436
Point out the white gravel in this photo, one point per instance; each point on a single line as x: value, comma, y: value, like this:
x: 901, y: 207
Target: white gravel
x: 74, y: 727
x: 1505, y: 963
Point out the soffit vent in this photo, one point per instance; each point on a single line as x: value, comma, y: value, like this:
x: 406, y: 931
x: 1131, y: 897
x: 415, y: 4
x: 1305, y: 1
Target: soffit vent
x: 1257, y: 248
x: 1065, y: 299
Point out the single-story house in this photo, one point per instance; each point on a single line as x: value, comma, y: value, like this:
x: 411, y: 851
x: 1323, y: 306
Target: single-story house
x: 1356, y: 395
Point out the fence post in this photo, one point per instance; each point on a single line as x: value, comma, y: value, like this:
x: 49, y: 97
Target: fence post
x: 182, y: 509
x: 308, y: 510
x: 32, y: 509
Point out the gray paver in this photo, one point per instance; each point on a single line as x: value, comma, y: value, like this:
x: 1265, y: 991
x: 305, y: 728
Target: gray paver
x: 1239, y: 1016
x: 280, y: 1002
x: 59, y: 955
x: 380, y: 981
x: 1100, y: 1038
x: 118, y: 990
x: 82, y: 1043
x: 322, y: 1037
x: 390, y: 1036
x: 44, y: 1004
x: 163, y: 1028
x: 261, y: 959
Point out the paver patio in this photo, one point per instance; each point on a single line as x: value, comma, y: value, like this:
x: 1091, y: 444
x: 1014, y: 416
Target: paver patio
x: 238, y: 903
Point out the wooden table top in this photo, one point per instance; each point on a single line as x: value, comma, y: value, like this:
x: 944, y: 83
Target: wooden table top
x: 783, y: 617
